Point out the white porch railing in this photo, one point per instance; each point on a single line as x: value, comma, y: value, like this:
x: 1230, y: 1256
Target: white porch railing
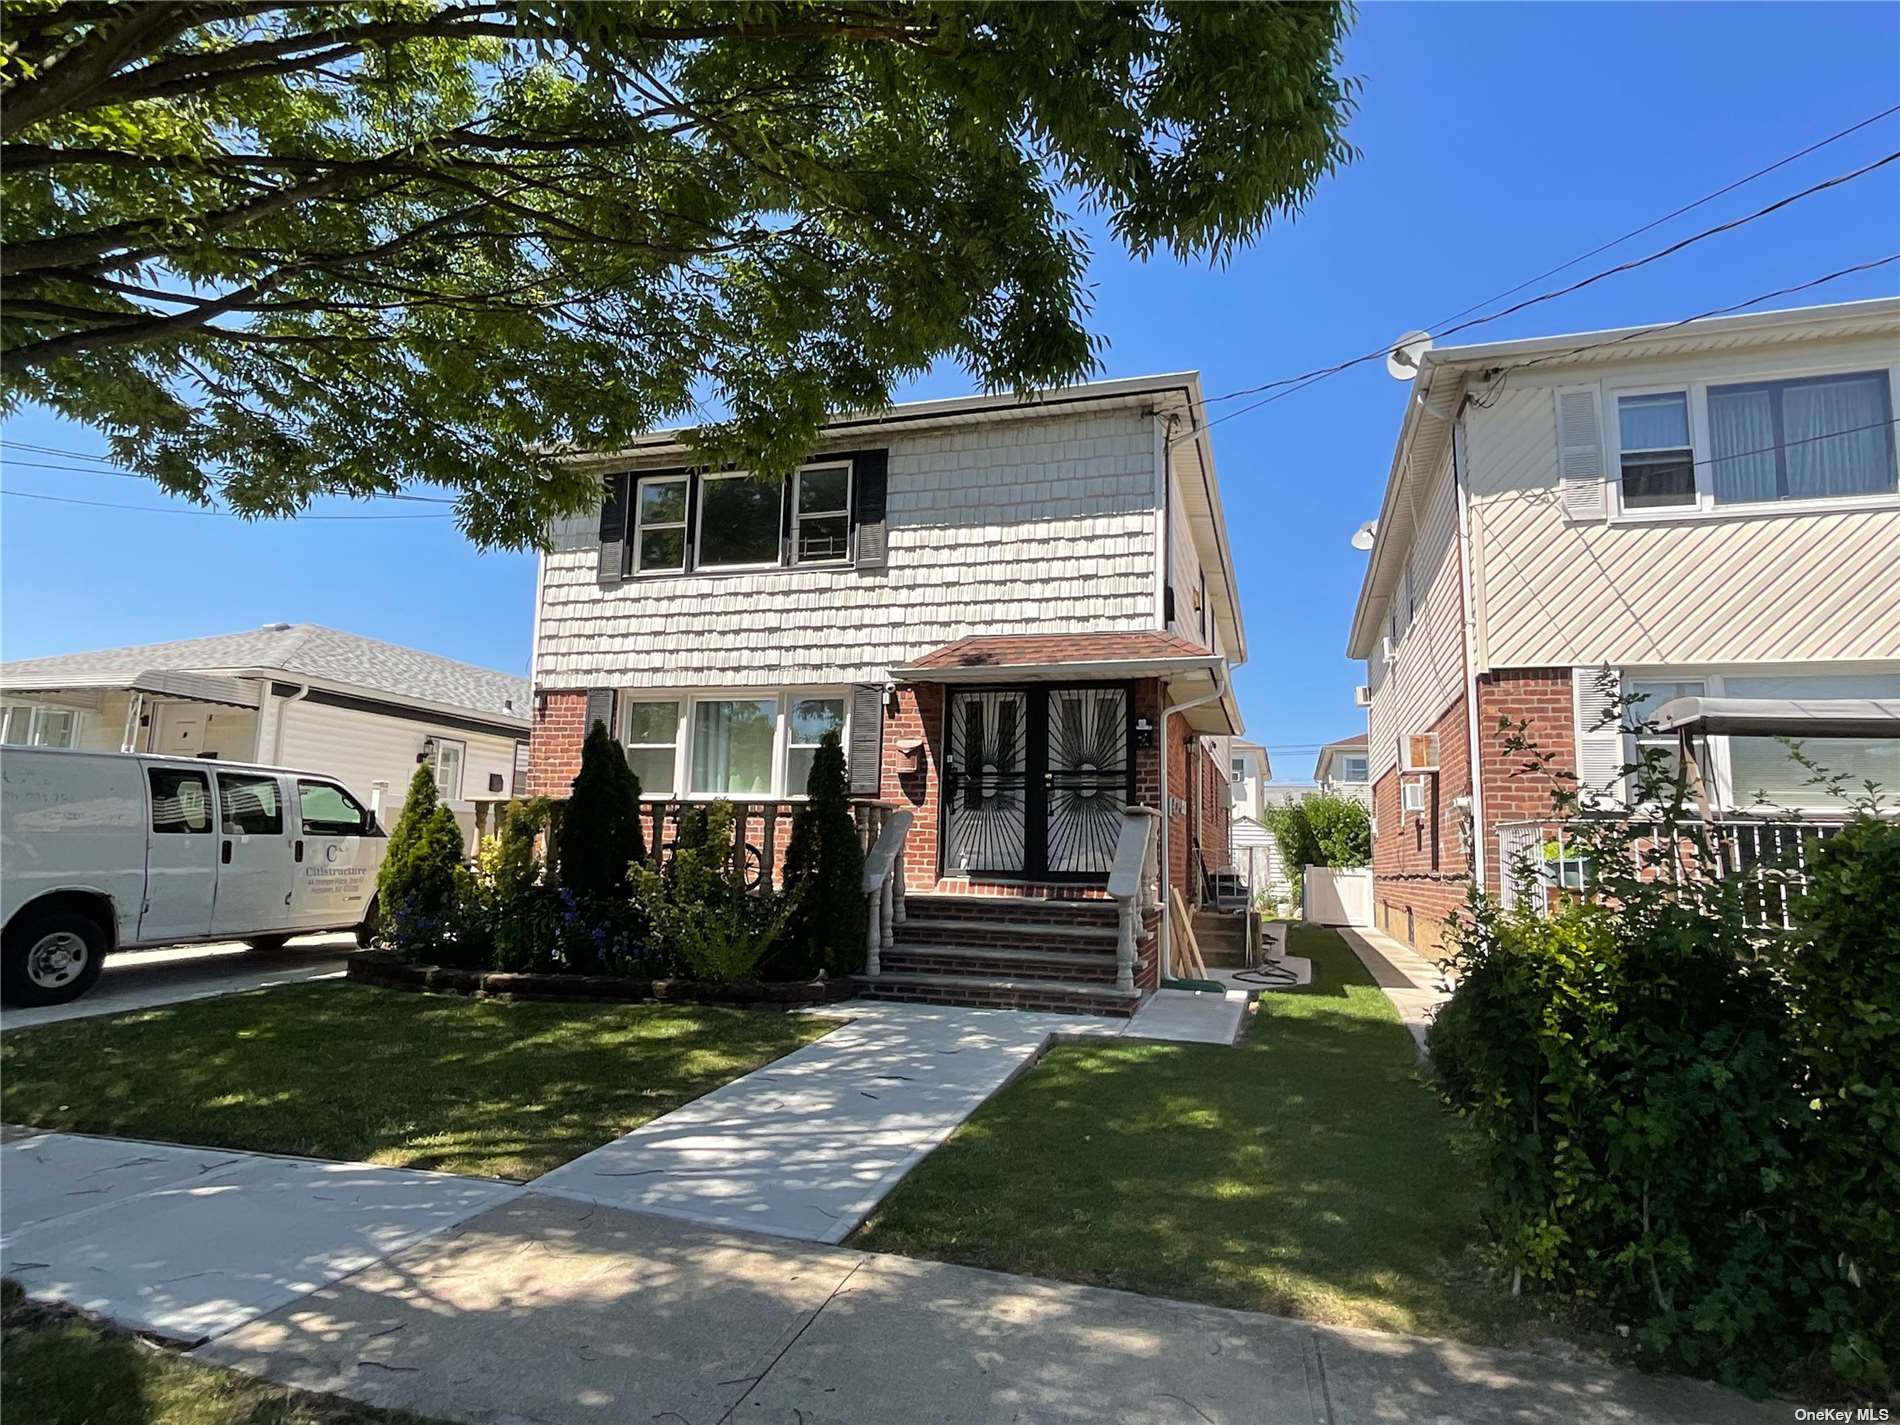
x: 1770, y: 858
x: 1132, y: 882
x: 884, y: 885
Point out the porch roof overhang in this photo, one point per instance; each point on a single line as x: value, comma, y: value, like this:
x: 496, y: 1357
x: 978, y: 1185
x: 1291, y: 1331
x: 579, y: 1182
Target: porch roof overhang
x: 157, y: 682
x: 1185, y: 670
x: 1780, y: 717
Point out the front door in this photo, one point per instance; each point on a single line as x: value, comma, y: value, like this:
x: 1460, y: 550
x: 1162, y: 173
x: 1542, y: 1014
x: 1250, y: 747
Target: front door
x: 253, y: 855
x: 1035, y: 780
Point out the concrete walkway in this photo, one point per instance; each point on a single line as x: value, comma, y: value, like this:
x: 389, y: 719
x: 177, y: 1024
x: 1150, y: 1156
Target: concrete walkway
x: 144, y: 979
x: 559, y: 1313
x: 1410, y: 981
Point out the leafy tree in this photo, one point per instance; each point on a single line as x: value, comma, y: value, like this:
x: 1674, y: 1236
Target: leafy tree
x: 278, y: 250
x: 824, y: 873
x: 1342, y: 829
x: 600, y: 829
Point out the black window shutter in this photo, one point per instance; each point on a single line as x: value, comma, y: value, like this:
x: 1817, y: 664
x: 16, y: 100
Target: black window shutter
x: 787, y: 550
x: 613, y: 530
x: 600, y: 708
x: 870, y: 471
x: 867, y: 740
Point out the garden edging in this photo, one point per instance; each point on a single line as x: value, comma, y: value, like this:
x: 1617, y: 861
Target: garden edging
x: 378, y: 967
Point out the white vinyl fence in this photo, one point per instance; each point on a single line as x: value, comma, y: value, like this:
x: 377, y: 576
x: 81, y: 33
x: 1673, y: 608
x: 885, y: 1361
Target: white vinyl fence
x: 1338, y: 896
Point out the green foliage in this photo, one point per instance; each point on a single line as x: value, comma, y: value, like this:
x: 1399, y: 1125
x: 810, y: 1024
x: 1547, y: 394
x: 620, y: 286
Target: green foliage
x: 700, y: 910
x: 1324, y: 829
x: 1843, y: 972
x: 418, y: 806
x: 422, y: 882
x: 600, y: 828
x: 277, y: 251
x: 824, y: 875
x: 1690, y: 1125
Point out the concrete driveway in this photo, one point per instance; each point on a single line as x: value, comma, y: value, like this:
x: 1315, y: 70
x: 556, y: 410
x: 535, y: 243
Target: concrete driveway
x: 140, y: 979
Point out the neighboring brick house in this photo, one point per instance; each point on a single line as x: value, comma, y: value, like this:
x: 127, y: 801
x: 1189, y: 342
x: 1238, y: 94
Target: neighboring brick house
x: 998, y: 604
x: 1688, y: 509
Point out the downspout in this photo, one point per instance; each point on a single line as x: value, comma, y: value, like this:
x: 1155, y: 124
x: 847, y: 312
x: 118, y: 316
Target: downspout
x: 277, y: 733
x: 1470, y: 623
x: 1167, y: 818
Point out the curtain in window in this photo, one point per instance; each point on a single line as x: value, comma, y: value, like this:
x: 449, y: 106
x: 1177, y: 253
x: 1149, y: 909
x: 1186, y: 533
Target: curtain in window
x: 1742, y: 430
x: 732, y: 747
x: 1854, y: 462
x: 1764, y: 764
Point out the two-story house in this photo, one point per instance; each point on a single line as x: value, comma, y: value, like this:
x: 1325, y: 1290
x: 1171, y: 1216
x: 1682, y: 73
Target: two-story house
x: 1704, y: 508
x: 1342, y: 766
x: 1006, y: 608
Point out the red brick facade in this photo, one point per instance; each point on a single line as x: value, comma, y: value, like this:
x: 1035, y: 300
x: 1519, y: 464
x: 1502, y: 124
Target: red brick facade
x: 1540, y: 697
x: 1421, y: 861
x: 554, y: 743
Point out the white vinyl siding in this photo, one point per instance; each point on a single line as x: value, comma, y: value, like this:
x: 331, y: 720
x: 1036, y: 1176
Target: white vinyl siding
x: 1412, y: 693
x: 359, y: 748
x: 1040, y: 525
x: 1756, y: 583
x: 41, y: 725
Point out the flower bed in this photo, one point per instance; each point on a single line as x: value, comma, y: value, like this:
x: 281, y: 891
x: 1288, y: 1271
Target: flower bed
x: 375, y: 967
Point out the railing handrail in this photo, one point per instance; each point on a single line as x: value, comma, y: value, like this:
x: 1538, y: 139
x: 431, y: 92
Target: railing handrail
x: 1131, y: 851
x: 883, y: 853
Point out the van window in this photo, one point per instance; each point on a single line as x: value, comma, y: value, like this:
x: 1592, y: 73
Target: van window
x: 249, y: 805
x: 328, y: 810
x: 181, y: 802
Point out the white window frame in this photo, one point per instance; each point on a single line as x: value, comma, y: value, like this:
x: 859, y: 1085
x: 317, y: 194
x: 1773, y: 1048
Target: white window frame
x: 850, y: 533
x: 1719, y: 770
x: 461, y: 767
x: 36, y: 718
x: 1695, y: 417
x: 777, y: 561
x: 624, y: 734
x: 1697, y: 389
x: 688, y: 700
x: 640, y: 527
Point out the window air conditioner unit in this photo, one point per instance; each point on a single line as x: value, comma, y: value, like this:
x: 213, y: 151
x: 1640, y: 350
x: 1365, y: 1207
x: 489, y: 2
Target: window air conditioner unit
x: 1420, y: 752
x: 1412, y: 795
x: 1388, y: 650
x: 1362, y: 696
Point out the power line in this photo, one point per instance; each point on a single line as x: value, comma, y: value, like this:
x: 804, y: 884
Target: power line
x: 99, y: 465
x: 225, y: 514
x: 1307, y: 378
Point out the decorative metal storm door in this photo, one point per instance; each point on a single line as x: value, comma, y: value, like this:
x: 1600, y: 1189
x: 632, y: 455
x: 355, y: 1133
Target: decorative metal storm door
x: 1035, y: 780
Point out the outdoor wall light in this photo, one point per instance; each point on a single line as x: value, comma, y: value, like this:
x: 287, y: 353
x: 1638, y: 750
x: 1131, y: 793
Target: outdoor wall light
x: 427, y: 752
x: 1144, y: 733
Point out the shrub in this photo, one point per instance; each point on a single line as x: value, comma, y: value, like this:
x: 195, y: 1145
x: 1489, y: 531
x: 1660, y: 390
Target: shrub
x: 600, y: 827
x: 1342, y: 829
x: 422, y: 881
x: 700, y: 910
x: 1843, y: 973
x: 824, y: 875
x: 418, y: 806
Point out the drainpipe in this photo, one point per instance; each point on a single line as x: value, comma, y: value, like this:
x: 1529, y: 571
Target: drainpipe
x: 277, y: 733
x: 1461, y: 490
x: 1167, y: 865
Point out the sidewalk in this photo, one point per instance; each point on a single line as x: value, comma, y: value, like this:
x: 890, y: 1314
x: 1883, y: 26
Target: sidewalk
x: 560, y: 1313
x: 1409, y: 980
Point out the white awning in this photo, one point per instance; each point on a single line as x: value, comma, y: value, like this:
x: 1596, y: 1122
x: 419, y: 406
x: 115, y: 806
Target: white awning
x: 1781, y: 717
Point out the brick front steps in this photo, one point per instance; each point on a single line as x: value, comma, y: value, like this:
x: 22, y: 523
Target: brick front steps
x: 1013, y: 953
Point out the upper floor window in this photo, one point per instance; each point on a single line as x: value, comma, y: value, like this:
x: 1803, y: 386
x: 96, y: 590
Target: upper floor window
x: 739, y: 522
x: 821, y: 515
x: 1351, y: 769
x: 1802, y: 440
x: 659, y: 528
x: 1237, y: 770
x: 1757, y: 442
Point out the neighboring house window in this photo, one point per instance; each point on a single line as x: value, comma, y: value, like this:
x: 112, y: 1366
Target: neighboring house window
x: 659, y: 533
x: 1658, y: 455
x: 449, y: 757
x: 732, y: 746
x: 739, y: 520
x: 1351, y: 769
x: 821, y: 515
x: 808, y: 720
x: 1812, y: 439
x: 34, y: 725
x: 652, y: 742
x: 1237, y: 770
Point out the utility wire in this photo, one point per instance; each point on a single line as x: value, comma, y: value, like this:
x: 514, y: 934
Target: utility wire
x: 1308, y: 378
x: 100, y: 465
x: 225, y: 514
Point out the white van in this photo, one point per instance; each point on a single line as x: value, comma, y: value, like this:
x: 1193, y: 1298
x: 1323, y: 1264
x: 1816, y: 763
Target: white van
x: 104, y: 851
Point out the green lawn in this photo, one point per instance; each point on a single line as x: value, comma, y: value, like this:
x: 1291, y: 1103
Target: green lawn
x: 486, y: 1087
x: 57, y: 1368
x: 1308, y: 1172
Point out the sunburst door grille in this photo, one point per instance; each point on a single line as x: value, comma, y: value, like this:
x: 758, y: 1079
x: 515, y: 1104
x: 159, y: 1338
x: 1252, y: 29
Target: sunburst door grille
x: 1087, y: 780
x: 986, y: 782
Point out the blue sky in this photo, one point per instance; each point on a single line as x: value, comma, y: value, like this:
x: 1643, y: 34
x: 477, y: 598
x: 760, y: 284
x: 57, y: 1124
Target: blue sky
x: 1498, y: 141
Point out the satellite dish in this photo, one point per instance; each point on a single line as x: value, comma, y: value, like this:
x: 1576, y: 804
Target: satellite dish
x: 1363, y: 536
x: 1402, y: 361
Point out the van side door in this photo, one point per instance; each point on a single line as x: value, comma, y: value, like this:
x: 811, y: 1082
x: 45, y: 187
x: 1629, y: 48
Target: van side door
x: 181, y: 855
x: 335, y: 857
x: 253, y: 855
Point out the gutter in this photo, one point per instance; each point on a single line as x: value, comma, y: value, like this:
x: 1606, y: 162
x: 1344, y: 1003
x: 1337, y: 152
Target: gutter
x: 277, y: 732
x: 1167, y: 863
x: 1469, y: 621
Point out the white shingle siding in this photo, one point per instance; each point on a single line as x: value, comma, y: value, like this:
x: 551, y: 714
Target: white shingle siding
x: 1032, y: 526
x: 1414, y: 692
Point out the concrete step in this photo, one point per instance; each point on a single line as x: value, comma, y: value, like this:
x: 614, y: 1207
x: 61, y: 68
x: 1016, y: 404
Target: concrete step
x: 1013, y: 908
x: 1000, y: 992
x: 1022, y: 934
x: 995, y: 962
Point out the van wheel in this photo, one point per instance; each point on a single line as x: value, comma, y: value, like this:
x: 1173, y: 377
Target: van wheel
x: 51, y: 958
x: 370, y: 926
x: 268, y: 942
